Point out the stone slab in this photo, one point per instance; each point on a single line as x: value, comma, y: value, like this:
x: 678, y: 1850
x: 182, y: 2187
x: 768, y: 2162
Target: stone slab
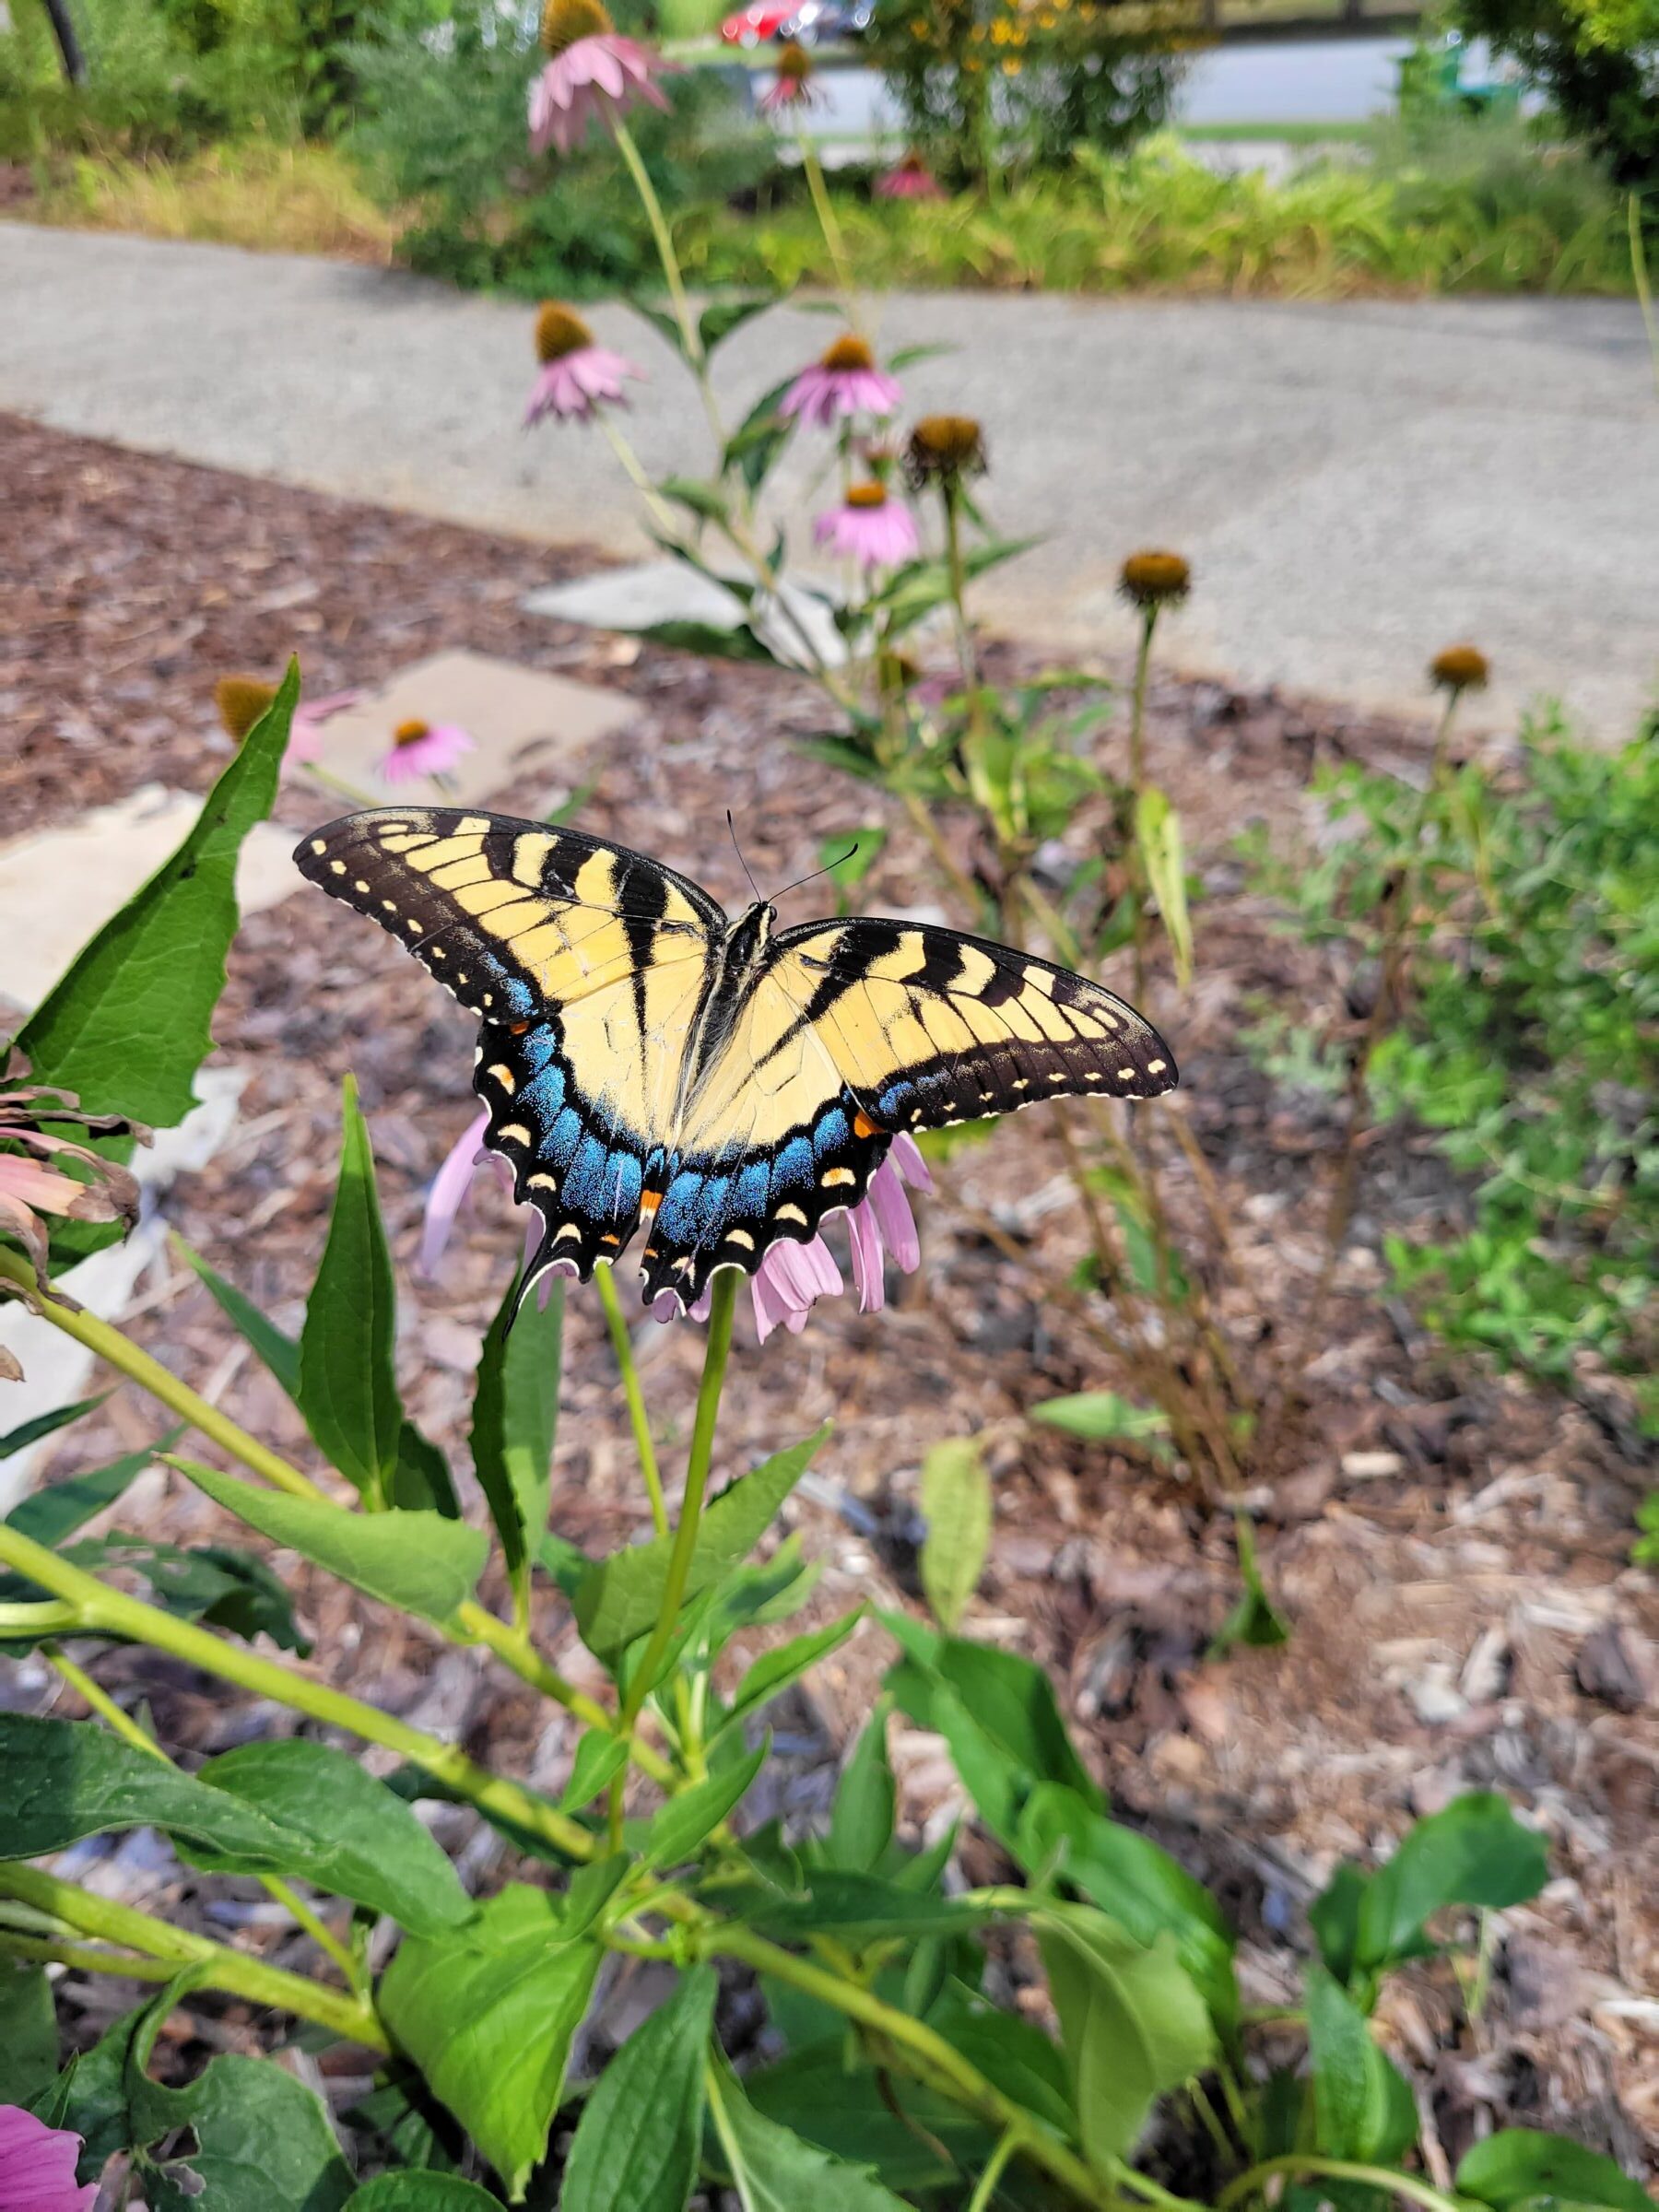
x: 648, y: 592
x: 529, y: 729
x: 59, y: 886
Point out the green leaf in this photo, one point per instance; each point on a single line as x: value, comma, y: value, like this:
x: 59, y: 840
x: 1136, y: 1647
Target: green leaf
x: 998, y: 1713
x: 130, y: 1022
x: 50, y: 1515
x: 365, y: 1842
x: 276, y: 1347
x: 419, y: 1562
x: 348, y: 1389
x: 1132, y: 2024
x: 956, y: 1504
x: 636, y: 2144
x: 28, y: 2037
x: 600, y: 1757
x: 776, y: 1669
x: 703, y: 499
x: 228, y: 1589
x: 773, y: 2170
x: 861, y: 1820
x: 261, y: 2140
x: 721, y: 317
x: 487, y: 2014
x: 515, y: 1421
x: 695, y: 1813
x: 1013, y: 2056
x: 756, y: 444
x: 418, y: 2191
x: 1157, y: 834
x: 1100, y: 1415
x: 1362, y: 2108
x: 855, y: 1908
x: 421, y: 1481
x: 1519, y: 2166
x: 565, y: 1562
x: 815, y: 2092
x: 666, y: 325
x: 1475, y: 1853
x: 617, y: 1599
x: 1141, y: 1887
x: 1335, y: 1918
x: 1255, y: 1621
x: 711, y: 640
x: 44, y: 1424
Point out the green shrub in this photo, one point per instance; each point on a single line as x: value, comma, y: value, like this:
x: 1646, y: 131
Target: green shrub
x: 1598, y: 62
x: 443, y: 128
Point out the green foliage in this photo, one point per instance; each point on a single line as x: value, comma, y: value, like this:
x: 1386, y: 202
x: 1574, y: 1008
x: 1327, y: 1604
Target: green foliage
x: 956, y: 1504
x: 1597, y: 61
x: 515, y: 1421
x: 636, y: 2146
x: 773, y: 2170
x: 1530, y: 1045
x: 28, y: 2037
x: 1487, y: 210
x: 1519, y: 2166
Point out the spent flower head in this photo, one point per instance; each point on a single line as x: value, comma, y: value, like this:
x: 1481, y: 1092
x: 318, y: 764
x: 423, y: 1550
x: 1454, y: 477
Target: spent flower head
x: 242, y: 700
x: 34, y: 1155
x: 577, y: 374
x: 843, y: 382
x: 794, y: 87
x: 591, y: 71
x: 1460, y: 668
x: 943, y: 450
x: 1150, y: 580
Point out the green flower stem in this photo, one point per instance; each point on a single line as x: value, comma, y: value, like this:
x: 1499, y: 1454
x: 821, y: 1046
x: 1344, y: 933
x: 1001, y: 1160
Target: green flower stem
x: 925, y: 2053
x: 1639, y: 276
x: 153, y: 1940
x: 984, y: 2188
x: 98, y: 1608
x: 830, y: 225
x: 628, y: 1367
x: 1137, y: 785
x: 1337, y: 2170
x: 722, y: 1309
x: 475, y: 1623
x: 633, y: 469
x: 124, y: 1725
x: 46, y: 1619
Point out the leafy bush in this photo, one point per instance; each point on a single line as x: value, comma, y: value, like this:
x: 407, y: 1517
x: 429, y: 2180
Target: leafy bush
x: 987, y: 85
x: 897, y: 2071
x: 1491, y: 217
x: 1598, y: 62
x: 443, y: 131
x: 1529, y: 1042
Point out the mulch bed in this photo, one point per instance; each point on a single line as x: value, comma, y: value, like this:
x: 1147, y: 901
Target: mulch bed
x: 1450, y: 1545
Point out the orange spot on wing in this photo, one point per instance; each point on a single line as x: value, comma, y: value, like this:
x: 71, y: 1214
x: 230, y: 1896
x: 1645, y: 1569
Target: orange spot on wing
x: 648, y: 1202
x: 863, y: 1126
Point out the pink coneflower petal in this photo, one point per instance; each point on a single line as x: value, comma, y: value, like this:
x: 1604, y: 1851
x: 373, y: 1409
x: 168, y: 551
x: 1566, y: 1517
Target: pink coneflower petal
x: 421, y: 749
x: 869, y: 1273
x: 570, y: 386
x: 575, y: 87
x: 870, y: 529
x: 448, y: 1193
x: 898, y: 1224
x: 37, y: 2166
x: 910, y: 180
x: 845, y: 382
x: 907, y: 1157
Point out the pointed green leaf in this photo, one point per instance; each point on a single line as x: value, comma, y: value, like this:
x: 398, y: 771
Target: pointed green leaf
x: 1519, y: 2166
x: 773, y: 2170
x: 721, y: 317
x: 636, y: 2144
x: 617, y: 1599
x: 776, y: 1669
x: 421, y: 1481
x: 515, y: 1421
x: 1132, y: 2023
x: 50, y: 1515
x: 487, y: 2014
x: 29, y: 2036
x: 130, y: 1022
x: 861, y: 1821
x: 956, y: 1504
x: 212, y: 1582
x: 278, y: 1350
x: 43, y: 1424
x: 600, y: 1757
x: 418, y: 1561
x: 412, y: 2191
x: 694, y: 1814
x: 1163, y: 856
x: 1362, y: 2107
x: 1100, y: 1415
x: 348, y: 1389
x: 1474, y: 1853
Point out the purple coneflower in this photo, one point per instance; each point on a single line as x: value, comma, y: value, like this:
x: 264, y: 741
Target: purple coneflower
x: 913, y: 180
x: 37, y: 2166
x: 591, y: 70
x: 794, y: 87
x: 790, y: 1277
x: 844, y: 382
x: 575, y: 373
x: 869, y: 527
x: 423, y: 748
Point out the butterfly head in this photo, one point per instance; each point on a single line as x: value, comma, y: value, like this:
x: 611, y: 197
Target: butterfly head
x: 747, y: 940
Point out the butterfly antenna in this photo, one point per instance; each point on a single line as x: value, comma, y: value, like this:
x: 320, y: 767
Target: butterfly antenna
x: 829, y: 868
x: 743, y: 864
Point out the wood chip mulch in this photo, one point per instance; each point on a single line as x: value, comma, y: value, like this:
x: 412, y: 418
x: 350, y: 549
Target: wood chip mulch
x: 1450, y: 1545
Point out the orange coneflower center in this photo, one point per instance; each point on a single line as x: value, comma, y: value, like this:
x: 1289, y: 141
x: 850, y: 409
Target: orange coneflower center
x: 559, y: 331
x: 848, y: 352
x: 945, y: 440
x: 411, y: 733
x: 241, y: 700
x: 795, y: 64
x: 866, y: 495
x: 1148, y: 577
x: 1460, y: 668
x: 565, y: 21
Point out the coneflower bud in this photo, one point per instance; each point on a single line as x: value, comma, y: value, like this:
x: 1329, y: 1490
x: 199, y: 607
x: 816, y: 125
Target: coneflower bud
x: 943, y: 449
x: 1459, y: 668
x: 565, y: 21
x: 1152, y: 580
x: 241, y: 700
x: 558, y: 330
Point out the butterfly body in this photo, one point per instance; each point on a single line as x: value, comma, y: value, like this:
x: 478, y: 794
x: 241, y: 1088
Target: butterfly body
x: 645, y: 1060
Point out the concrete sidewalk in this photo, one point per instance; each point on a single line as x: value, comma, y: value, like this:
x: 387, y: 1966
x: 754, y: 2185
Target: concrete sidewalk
x: 1355, y: 485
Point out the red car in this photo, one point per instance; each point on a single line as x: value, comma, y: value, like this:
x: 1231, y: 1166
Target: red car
x: 761, y: 19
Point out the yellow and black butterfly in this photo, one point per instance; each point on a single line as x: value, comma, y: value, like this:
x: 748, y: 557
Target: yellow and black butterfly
x: 643, y: 1056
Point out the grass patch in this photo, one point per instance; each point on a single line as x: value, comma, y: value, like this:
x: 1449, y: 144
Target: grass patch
x: 1513, y: 218
x: 274, y: 198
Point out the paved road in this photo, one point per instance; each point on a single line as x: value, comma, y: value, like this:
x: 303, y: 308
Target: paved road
x: 1355, y: 485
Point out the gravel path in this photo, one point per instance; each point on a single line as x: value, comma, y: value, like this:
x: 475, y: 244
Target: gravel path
x: 1357, y: 484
